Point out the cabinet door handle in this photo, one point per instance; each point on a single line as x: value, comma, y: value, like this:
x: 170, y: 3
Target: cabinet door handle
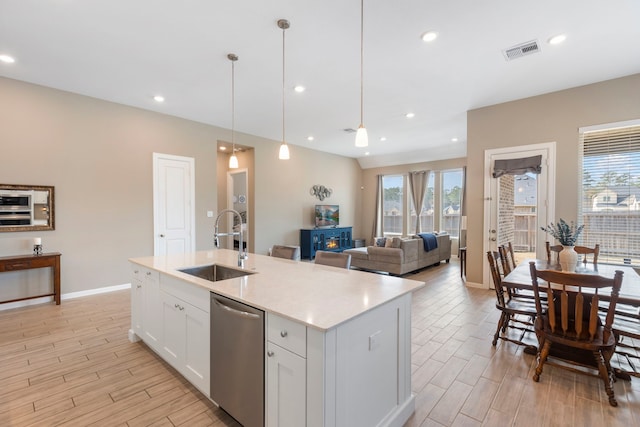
x: 270, y: 353
x: 148, y: 273
x: 138, y: 286
x: 283, y: 334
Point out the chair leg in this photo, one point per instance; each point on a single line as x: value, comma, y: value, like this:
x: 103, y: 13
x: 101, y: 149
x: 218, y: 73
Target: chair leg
x: 542, y: 358
x: 606, y: 377
x: 505, y: 324
x: 501, y: 323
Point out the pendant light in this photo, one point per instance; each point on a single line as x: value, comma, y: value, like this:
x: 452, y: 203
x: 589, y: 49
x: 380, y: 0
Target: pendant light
x: 362, y: 140
x: 284, y: 148
x: 233, y: 160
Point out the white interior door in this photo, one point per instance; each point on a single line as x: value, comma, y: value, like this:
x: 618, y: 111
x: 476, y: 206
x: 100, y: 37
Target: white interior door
x: 173, y: 207
x: 545, y: 200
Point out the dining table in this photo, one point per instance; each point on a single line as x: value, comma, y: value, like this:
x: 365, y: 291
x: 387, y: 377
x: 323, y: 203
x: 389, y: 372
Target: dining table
x: 520, y: 277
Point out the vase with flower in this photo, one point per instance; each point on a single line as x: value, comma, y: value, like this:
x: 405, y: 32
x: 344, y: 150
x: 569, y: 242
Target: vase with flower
x: 567, y: 234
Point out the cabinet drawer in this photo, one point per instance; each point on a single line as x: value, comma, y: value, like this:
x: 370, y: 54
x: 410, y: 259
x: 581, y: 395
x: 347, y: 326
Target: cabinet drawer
x: 287, y: 334
x: 192, y: 294
x: 139, y: 272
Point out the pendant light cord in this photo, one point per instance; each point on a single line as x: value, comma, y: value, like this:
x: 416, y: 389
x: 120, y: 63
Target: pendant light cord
x: 361, y: 62
x: 283, y: 70
x: 233, y: 106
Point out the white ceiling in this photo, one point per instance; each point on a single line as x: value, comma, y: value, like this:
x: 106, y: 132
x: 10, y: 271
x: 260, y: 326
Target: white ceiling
x: 126, y: 51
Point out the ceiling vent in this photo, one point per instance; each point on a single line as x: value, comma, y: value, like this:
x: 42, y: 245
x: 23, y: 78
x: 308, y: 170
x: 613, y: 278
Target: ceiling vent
x: 521, y: 50
x: 349, y: 130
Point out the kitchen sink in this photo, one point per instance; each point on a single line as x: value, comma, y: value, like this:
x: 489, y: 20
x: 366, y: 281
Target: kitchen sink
x: 215, y: 272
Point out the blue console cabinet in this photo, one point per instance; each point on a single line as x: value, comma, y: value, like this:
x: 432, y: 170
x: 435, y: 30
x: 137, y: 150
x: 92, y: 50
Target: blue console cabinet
x: 335, y: 239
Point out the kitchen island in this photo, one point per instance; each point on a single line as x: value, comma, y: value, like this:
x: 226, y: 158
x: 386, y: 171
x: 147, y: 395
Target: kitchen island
x: 337, y: 342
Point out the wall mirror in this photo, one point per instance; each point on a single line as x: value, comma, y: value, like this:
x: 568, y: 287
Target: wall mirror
x: 26, y: 207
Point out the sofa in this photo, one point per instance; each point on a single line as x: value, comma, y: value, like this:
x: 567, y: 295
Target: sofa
x: 402, y: 256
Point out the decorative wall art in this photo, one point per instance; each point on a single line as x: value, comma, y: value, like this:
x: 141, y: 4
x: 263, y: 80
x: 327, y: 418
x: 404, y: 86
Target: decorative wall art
x: 321, y: 192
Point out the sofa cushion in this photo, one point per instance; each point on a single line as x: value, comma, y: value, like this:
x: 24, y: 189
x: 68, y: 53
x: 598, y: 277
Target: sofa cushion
x: 358, y: 253
x: 392, y: 255
x: 379, y: 241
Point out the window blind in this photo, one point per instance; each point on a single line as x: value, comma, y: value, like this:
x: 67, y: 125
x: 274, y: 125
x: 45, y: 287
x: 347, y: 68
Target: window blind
x: 610, y: 193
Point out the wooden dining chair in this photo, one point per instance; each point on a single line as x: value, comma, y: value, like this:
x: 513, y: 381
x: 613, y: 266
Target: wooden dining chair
x: 570, y: 329
x: 334, y: 259
x: 626, y: 328
x: 584, y: 251
x: 286, y: 251
x: 514, y: 313
x: 556, y: 249
x: 506, y: 258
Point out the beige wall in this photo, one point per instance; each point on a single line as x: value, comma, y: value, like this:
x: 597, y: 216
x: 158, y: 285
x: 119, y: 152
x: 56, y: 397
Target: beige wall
x: 98, y: 155
x: 369, y: 180
x: 552, y: 117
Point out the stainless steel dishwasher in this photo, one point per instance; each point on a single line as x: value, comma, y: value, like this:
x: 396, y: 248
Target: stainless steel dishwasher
x: 237, y: 360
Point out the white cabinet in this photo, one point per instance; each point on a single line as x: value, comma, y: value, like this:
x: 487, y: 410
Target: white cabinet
x: 137, y: 302
x: 286, y: 388
x: 172, y: 317
x: 152, y: 329
x: 286, y: 384
x: 185, y: 325
x: 145, y: 301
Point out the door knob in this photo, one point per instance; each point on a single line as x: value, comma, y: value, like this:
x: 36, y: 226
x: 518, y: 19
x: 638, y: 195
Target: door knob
x: 270, y: 353
x: 162, y: 235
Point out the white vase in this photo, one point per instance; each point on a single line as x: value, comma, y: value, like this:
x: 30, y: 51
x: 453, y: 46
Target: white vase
x: 568, y: 258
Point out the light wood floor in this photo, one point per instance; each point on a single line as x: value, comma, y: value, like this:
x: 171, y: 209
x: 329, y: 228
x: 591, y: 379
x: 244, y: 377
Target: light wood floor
x: 73, y: 365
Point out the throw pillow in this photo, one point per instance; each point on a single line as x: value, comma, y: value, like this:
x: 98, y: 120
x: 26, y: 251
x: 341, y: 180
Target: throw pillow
x: 396, y: 242
x: 388, y: 243
x: 380, y: 241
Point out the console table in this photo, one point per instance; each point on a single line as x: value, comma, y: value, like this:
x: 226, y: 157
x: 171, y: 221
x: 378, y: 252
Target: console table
x: 28, y: 262
x: 334, y: 239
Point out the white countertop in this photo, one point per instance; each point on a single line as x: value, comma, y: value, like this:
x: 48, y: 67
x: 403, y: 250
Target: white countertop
x: 320, y: 296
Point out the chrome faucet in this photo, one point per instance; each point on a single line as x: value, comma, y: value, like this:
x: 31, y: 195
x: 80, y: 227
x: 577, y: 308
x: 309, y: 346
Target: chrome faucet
x: 241, y: 253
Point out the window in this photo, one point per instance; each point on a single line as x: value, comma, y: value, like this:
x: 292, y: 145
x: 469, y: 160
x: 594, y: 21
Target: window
x: 440, y: 207
x: 393, y: 203
x: 610, y: 197
x: 451, y: 193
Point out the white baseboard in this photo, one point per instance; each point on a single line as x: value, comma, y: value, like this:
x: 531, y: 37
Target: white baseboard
x: 70, y: 295
x: 476, y: 285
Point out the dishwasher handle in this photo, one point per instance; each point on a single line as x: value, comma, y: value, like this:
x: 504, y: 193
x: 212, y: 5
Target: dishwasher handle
x: 234, y: 311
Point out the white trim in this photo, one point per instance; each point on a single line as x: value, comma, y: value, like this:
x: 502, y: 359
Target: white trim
x: 548, y: 149
x: 71, y: 295
x: 606, y: 126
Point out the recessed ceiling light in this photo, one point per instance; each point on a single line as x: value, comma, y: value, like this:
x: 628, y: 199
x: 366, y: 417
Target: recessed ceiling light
x: 410, y: 115
x: 7, y: 59
x: 158, y: 98
x: 557, y: 39
x: 383, y: 139
x: 223, y: 148
x: 299, y: 88
x: 429, y: 36
x: 366, y: 153
x: 310, y: 138
x: 454, y: 139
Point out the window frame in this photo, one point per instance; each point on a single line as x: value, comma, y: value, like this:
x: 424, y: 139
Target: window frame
x: 603, y: 142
